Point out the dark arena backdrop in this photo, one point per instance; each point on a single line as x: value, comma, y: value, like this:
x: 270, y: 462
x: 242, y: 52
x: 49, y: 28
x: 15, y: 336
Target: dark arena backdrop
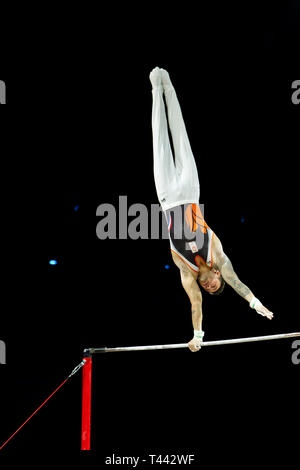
x: 76, y: 134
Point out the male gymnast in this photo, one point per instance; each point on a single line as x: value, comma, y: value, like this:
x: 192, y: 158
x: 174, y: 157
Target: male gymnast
x: 196, y: 249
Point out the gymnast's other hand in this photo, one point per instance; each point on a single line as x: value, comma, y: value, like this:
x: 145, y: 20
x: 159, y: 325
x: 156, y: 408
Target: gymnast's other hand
x: 261, y: 310
x: 195, y: 344
x: 258, y: 306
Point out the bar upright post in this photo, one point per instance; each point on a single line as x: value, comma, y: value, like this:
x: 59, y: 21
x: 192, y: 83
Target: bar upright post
x: 86, y: 402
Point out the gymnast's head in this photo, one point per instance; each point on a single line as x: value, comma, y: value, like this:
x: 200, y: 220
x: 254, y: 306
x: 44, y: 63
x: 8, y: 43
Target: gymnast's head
x: 213, y: 282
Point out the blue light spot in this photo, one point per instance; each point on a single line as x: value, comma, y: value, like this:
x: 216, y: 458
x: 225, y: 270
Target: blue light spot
x: 243, y: 219
x: 167, y: 266
x: 53, y: 262
x: 76, y: 208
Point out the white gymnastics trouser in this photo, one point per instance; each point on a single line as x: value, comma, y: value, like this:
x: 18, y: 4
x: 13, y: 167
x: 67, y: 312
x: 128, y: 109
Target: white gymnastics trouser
x: 176, y: 183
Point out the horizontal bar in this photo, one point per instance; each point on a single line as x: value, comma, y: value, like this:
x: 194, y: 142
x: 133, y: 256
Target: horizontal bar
x: 185, y: 345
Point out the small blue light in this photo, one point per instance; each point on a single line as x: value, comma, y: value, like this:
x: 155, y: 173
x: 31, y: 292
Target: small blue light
x: 167, y: 266
x: 76, y: 208
x: 53, y: 262
x: 242, y: 219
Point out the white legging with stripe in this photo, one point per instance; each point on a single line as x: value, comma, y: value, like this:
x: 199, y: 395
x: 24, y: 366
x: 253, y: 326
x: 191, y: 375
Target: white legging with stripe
x: 176, y: 183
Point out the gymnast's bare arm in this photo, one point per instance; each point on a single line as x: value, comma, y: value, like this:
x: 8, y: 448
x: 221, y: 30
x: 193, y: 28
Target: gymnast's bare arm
x: 190, y: 285
x: 225, y: 266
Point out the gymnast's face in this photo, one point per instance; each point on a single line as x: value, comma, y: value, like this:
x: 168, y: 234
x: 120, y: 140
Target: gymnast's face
x: 211, y: 282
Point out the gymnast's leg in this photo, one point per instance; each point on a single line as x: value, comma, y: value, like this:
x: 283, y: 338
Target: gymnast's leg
x: 164, y: 167
x: 184, y: 160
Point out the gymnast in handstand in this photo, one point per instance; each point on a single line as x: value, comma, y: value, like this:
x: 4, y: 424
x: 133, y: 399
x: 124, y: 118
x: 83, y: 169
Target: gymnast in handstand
x: 196, y: 249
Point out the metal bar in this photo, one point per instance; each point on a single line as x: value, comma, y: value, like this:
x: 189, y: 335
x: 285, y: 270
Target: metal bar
x: 185, y: 345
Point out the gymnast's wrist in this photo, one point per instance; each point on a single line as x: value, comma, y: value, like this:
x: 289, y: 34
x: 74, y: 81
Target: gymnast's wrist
x: 198, y: 334
x: 254, y: 303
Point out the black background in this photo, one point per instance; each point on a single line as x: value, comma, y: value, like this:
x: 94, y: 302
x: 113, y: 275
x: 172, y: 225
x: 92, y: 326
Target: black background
x: 77, y: 132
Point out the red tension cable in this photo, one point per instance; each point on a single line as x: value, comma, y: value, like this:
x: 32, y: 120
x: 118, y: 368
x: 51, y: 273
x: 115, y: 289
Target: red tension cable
x: 47, y: 399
